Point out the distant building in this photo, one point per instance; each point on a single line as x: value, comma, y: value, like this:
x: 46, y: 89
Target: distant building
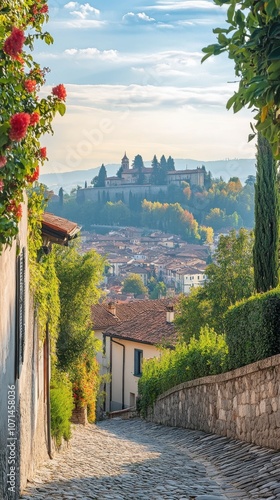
x: 130, y: 176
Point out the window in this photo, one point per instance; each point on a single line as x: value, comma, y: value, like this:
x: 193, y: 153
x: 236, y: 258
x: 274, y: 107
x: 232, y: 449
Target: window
x: 20, y: 312
x: 138, y: 360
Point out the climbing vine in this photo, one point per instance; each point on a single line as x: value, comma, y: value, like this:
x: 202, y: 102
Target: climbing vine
x: 25, y: 116
x: 44, y: 283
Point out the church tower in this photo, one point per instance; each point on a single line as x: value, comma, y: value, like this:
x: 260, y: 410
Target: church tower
x: 125, y: 163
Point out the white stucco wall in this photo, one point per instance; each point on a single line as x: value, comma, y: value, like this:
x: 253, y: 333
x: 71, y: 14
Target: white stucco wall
x: 130, y: 380
x: 29, y: 418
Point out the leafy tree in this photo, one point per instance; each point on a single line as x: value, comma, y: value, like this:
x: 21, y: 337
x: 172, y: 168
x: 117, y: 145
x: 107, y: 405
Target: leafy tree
x: 138, y: 164
x: 216, y: 218
x: 157, y: 289
x: 163, y: 170
x: 155, y: 176
x: 193, y: 312
x: 234, y: 185
x: 170, y: 164
x: 99, y: 180
x: 60, y: 194
x: 251, y: 180
x: 134, y: 284
x: 206, y: 235
x: 230, y: 278
x: 251, y: 39
x: 115, y: 213
x: 79, y: 276
x: 266, y: 247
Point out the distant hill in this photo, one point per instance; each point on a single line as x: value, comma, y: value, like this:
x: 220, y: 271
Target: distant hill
x: 221, y: 168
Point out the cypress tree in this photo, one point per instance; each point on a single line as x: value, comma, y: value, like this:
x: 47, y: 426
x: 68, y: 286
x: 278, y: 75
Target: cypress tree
x: 266, y: 246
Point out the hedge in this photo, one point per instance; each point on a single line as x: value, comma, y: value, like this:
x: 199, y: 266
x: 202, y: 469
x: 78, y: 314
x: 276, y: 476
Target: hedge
x: 201, y: 357
x: 252, y: 329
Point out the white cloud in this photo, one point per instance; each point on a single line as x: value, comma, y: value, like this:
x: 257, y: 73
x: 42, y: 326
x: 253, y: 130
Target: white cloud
x: 93, y: 53
x: 82, y: 10
x: 141, y: 17
x: 143, y: 97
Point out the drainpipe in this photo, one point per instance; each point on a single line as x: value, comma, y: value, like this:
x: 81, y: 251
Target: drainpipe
x: 123, y: 366
x: 48, y: 393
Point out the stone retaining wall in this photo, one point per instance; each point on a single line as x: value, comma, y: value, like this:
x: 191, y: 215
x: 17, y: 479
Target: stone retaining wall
x: 242, y: 404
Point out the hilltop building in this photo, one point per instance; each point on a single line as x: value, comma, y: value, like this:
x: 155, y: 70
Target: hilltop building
x: 127, y: 183
x: 130, y: 176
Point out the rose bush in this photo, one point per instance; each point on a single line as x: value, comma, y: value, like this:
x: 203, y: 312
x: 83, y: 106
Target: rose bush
x: 25, y: 115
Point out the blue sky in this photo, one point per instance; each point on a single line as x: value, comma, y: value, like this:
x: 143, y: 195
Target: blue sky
x: 135, y: 82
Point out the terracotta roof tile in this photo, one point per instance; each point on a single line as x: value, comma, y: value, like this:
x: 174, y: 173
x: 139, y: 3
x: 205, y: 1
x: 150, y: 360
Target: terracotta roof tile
x: 138, y: 320
x: 60, y: 224
x: 148, y: 326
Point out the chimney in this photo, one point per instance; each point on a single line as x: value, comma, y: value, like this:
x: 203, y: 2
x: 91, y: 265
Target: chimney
x: 169, y: 314
x: 112, y: 308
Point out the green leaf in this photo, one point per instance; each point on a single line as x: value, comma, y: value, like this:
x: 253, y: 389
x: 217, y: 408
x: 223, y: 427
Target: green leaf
x: 231, y: 101
x: 274, y: 54
x: 231, y: 11
x: 251, y: 137
x: 61, y: 108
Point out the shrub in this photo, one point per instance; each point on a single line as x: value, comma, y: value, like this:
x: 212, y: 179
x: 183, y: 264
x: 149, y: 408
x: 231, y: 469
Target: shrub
x: 252, y: 329
x: 201, y: 357
x: 61, y: 407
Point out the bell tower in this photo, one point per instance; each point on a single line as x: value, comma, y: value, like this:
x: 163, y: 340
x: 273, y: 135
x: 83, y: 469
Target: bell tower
x: 125, y: 163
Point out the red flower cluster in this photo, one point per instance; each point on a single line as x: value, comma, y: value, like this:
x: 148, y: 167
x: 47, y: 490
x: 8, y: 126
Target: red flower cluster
x: 60, y: 92
x: 1, y: 186
x: 35, y: 176
x: 30, y: 85
x: 3, y: 161
x: 19, y: 123
x: 13, y: 44
x: 16, y: 209
x: 34, y: 118
x: 43, y: 152
x: 43, y: 10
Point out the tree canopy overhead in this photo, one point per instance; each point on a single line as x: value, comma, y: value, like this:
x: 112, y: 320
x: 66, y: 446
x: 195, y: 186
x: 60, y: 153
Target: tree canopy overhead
x: 252, y: 40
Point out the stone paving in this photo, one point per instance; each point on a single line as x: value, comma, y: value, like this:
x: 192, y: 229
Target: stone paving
x: 136, y: 460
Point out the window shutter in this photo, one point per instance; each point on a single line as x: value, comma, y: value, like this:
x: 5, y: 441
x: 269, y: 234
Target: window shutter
x: 20, y: 310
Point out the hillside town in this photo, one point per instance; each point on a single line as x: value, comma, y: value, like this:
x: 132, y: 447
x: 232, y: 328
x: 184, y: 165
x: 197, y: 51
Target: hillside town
x: 139, y: 316
x: 179, y: 265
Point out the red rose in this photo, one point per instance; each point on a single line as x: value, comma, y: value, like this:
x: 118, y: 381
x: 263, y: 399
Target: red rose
x: 34, y: 118
x: 19, y: 123
x: 60, y: 92
x: 15, y: 209
x: 30, y: 85
x: 44, y: 9
x: 13, y: 44
x: 35, y: 176
x: 3, y: 161
x: 43, y: 152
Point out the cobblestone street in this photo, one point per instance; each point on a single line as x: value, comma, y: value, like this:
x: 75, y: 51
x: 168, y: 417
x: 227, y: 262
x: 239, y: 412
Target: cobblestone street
x: 135, y: 460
